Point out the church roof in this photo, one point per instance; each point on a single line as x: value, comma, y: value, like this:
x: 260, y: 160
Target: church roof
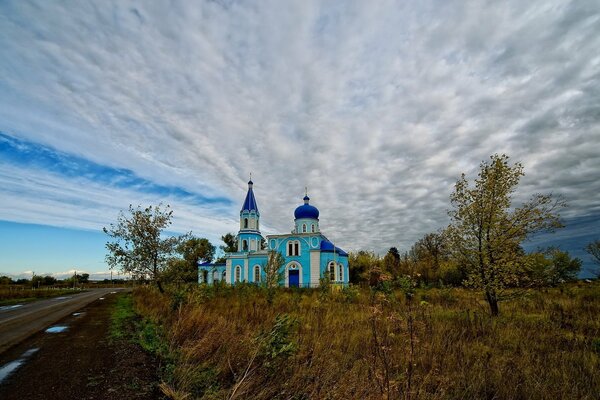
x: 306, y: 210
x: 250, y: 202
x: 327, y: 246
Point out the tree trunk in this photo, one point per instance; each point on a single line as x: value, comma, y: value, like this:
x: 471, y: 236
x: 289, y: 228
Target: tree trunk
x: 493, y: 302
x: 159, y: 284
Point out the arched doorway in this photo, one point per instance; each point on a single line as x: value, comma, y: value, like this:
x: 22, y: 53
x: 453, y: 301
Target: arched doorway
x: 293, y: 274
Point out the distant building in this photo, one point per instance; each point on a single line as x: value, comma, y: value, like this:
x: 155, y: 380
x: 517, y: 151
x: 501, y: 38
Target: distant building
x: 309, y: 255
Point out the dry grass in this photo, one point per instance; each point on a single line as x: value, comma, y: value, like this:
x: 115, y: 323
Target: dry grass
x: 229, y: 343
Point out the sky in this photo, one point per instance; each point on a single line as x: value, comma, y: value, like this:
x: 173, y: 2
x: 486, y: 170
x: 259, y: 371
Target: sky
x: 376, y: 106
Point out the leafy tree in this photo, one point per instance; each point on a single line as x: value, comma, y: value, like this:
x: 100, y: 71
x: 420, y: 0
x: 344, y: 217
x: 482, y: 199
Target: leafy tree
x: 274, y: 273
x: 563, y: 267
x: 137, y: 245
x: 5, y: 280
x: 37, y: 281
x: 230, y: 241
x: 425, y: 258
x: 360, y: 265
x: 593, y: 248
x: 391, y: 262
x: 551, y: 267
x: 194, y: 250
x: 486, y: 230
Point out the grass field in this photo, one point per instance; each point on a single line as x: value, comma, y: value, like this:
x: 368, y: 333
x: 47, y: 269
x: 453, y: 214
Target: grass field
x: 10, y: 295
x: 355, y: 344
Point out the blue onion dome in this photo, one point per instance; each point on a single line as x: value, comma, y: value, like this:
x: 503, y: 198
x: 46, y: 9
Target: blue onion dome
x: 306, y: 210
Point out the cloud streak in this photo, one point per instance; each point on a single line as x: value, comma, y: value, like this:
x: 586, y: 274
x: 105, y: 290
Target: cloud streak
x: 376, y: 107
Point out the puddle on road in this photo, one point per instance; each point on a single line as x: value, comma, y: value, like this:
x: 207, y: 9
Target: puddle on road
x: 101, y: 298
x: 62, y: 298
x: 113, y: 292
x: 4, y: 308
x: 77, y: 314
x: 10, y: 367
x: 57, y: 329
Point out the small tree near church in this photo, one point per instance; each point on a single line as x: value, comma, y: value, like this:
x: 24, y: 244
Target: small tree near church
x: 137, y: 246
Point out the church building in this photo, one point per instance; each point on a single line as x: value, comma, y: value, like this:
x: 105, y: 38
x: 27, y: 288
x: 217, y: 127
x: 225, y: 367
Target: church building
x: 308, y: 254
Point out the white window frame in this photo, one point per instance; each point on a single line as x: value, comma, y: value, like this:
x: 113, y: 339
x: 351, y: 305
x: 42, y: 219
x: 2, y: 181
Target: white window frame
x: 238, y: 274
x: 331, y: 268
x: 257, y: 270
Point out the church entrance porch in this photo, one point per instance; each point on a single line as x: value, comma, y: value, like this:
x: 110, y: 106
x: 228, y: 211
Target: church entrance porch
x: 294, y: 278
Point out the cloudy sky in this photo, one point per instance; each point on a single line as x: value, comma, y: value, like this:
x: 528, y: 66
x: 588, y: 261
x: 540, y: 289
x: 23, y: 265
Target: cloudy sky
x: 376, y: 106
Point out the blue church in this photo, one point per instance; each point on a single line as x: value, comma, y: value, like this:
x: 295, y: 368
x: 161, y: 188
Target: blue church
x: 309, y: 255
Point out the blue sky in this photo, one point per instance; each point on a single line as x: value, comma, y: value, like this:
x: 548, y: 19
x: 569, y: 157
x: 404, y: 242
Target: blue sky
x: 377, y: 107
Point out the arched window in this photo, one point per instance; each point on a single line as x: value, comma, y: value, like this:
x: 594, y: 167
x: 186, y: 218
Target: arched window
x: 205, y: 276
x: 215, y: 276
x: 303, y: 228
x: 244, y: 245
x: 312, y: 228
x: 297, y: 248
x: 332, y: 271
x: 224, y: 276
x: 340, y: 272
x: 245, y: 222
x: 238, y: 273
x: 290, y: 248
x: 257, y: 273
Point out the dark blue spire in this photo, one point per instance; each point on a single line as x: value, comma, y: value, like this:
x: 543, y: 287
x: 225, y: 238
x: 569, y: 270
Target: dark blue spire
x: 250, y: 202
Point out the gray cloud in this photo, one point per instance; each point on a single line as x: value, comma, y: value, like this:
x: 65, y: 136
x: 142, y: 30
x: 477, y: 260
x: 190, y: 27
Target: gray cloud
x: 377, y: 107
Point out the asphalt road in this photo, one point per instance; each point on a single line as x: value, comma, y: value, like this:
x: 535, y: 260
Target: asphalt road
x: 18, y: 322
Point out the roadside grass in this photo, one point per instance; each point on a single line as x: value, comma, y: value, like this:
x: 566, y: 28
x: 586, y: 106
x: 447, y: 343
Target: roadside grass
x: 127, y: 325
x: 228, y: 342
x: 10, y: 296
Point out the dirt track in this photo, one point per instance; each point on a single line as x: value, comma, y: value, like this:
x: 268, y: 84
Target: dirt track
x: 79, y: 363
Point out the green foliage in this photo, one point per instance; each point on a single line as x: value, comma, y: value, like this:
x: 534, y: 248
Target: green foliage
x: 274, y: 273
x: 193, y: 251
x: 593, y: 249
x: 230, y: 241
x: 121, y: 316
x: 487, y: 231
x: 551, y: 267
x: 276, y: 345
x: 360, y: 265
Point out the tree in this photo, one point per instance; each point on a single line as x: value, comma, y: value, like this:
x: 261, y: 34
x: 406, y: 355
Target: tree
x: 360, y: 264
x: 593, y: 248
x: 552, y: 266
x: 273, y: 271
x: 230, y: 246
x: 194, y: 250
x: 230, y: 241
x: 486, y: 231
x: 391, y: 262
x: 563, y: 267
x: 138, y: 247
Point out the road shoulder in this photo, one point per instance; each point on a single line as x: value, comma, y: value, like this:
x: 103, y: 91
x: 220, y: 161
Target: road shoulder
x: 82, y: 361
